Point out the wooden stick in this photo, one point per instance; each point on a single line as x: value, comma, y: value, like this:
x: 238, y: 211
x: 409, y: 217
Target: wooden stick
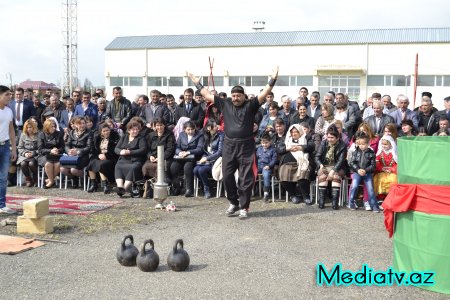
x: 49, y: 240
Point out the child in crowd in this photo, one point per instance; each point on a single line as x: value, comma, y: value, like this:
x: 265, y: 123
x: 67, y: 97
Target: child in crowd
x: 266, y: 157
x: 386, y: 167
x: 362, y: 165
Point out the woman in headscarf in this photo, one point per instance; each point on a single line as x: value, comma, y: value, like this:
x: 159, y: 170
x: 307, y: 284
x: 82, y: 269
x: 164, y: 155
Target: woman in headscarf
x: 295, y: 163
x: 386, y: 167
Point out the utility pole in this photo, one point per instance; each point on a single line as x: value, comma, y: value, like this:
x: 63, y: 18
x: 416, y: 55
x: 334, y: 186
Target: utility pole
x: 9, y: 76
x: 69, y: 45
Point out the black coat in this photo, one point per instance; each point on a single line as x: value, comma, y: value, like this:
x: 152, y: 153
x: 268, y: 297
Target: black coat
x: 196, y: 114
x: 82, y: 143
x: 167, y: 140
x: 137, y: 147
x: 363, y: 160
x: 125, y: 111
x: 46, y: 142
x: 295, y: 119
x: 112, y: 142
x: 340, y: 156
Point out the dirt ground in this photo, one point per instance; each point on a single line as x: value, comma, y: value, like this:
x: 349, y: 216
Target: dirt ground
x: 272, y: 254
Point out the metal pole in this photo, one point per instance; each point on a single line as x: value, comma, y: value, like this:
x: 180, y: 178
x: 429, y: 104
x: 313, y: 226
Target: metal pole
x: 160, y: 187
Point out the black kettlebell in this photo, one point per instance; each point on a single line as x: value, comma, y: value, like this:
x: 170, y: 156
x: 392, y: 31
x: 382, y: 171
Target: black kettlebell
x: 126, y: 255
x: 147, y: 260
x: 178, y: 259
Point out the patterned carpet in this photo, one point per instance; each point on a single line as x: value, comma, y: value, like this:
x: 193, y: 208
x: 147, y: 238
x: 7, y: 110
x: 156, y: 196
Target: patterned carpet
x: 63, y: 205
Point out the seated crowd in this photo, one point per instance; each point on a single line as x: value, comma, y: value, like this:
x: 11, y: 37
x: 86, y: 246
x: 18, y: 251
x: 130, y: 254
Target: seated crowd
x: 299, y: 142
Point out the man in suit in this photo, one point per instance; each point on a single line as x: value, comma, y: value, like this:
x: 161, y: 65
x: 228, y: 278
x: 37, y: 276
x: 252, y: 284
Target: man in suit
x: 55, y: 109
x: 287, y: 112
x: 174, y: 111
x: 87, y: 108
x: 191, y: 109
x: 314, y: 110
x: 39, y: 108
x: 388, y: 105
x: 404, y: 113
x: 428, y: 121
x: 119, y: 108
x: 155, y: 109
x: 304, y: 93
x: 378, y: 120
x: 349, y: 115
x: 22, y: 110
x: 446, y: 111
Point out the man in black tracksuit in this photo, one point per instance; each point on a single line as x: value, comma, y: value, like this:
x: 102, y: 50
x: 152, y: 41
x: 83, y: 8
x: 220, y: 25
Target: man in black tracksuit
x: 239, y: 145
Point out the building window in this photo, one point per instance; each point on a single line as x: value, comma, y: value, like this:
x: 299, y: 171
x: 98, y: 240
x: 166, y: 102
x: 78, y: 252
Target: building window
x: 240, y: 80
x: 283, y: 81
x: 154, y: 81
x: 116, y: 81
x: 340, y: 84
x: 136, y: 81
x: 157, y: 81
x: 425, y: 80
x: 446, y: 80
x: 176, y: 81
x: 375, y: 80
x: 388, y: 80
x: 304, y: 81
x: 218, y: 81
x: 259, y: 80
x: 401, y: 80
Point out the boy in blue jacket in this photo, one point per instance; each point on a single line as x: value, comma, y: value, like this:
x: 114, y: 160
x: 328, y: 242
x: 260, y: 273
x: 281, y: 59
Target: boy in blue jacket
x: 267, y: 158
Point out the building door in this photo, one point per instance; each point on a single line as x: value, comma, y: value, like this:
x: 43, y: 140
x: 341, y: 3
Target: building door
x: 349, y: 84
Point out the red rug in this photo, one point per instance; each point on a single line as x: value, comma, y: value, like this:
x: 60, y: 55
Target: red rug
x: 63, y: 205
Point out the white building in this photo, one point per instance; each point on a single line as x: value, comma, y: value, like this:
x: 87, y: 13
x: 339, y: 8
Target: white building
x: 357, y: 62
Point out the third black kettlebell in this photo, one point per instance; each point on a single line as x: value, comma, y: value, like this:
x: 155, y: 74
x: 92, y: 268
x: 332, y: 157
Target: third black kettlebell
x: 178, y: 259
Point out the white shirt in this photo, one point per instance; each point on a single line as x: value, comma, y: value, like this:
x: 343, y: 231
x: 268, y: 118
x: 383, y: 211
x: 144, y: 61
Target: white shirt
x: 313, y: 111
x: 340, y: 115
x: 19, y: 123
x: 6, y: 117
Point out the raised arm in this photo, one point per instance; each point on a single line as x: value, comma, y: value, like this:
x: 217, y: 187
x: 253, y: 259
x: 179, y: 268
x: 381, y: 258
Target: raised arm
x: 204, y: 91
x: 269, y: 86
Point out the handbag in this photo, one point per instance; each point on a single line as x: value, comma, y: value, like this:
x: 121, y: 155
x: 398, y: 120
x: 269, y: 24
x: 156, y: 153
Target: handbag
x: 217, y: 169
x: 67, y: 160
x: 190, y: 157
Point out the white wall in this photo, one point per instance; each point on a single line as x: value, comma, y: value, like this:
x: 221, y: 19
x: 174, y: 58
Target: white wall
x: 383, y: 59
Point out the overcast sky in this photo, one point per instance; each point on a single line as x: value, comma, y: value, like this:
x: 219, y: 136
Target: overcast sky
x: 31, y: 38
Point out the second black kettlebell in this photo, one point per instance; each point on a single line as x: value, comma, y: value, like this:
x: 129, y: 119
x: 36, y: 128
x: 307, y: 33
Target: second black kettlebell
x: 178, y: 259
x: 147, y: 260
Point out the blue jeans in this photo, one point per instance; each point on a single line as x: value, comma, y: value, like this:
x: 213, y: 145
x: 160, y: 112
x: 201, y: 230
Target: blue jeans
x: 267, y: 176
x: 368, y: 183
x: 203, y: 172
x: 5, y: 157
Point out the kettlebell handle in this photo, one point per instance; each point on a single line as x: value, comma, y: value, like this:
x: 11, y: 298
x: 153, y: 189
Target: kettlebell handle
x: 149, y: 241
x: 179, y: 241
x: 130, y: 237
